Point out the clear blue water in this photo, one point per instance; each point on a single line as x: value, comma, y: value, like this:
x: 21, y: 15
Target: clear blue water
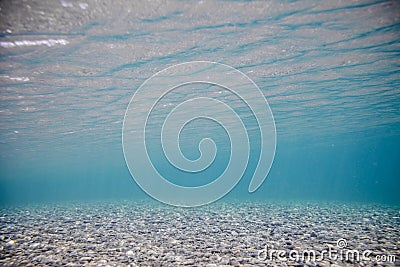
x: 329, y: 70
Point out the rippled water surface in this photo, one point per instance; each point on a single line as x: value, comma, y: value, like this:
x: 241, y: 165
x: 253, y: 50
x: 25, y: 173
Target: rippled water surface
x: 329, y: 70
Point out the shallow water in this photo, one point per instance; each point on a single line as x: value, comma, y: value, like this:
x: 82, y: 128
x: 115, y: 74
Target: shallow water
x: 329, y: 71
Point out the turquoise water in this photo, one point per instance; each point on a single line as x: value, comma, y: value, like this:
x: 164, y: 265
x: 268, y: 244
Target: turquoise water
x: 329, y: 71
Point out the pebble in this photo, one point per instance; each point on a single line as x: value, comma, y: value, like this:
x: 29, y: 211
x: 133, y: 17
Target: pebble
x: 149, y: 234
x: 85, y: 259
x: 224, y: 261
x: 313, y: 234
x: 130, y: 253
x: 10, y: 243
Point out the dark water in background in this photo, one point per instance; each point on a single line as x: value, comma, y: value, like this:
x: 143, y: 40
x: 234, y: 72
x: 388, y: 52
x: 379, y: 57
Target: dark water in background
x: 329, y: 70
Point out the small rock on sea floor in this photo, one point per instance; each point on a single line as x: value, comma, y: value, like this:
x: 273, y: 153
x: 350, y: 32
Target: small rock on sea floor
x: 222, y: 234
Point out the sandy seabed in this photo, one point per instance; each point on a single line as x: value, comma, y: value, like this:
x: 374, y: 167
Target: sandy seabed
x: 129, y: 233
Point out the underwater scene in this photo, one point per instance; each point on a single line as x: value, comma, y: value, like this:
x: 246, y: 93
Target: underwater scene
x: 199, y: 133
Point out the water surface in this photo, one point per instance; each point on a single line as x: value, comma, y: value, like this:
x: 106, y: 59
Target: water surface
x: 329, y: 70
